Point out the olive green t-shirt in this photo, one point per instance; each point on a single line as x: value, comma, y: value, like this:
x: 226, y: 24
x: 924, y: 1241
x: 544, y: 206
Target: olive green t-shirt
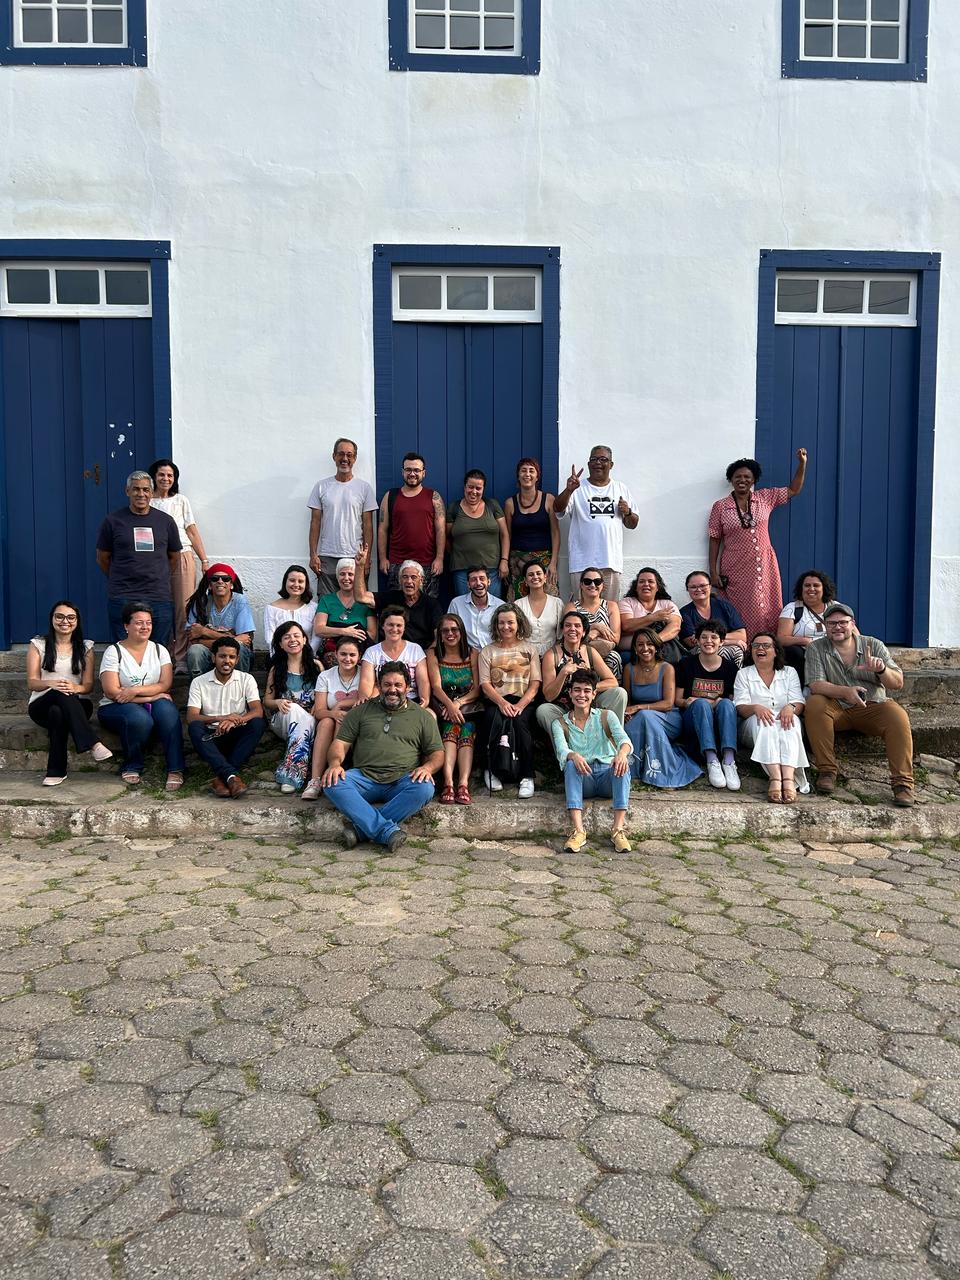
x: 387, y: 756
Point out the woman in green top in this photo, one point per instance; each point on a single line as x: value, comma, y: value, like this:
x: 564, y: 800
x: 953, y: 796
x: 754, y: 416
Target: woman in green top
x: 477, y: 536
x: 345, y: 611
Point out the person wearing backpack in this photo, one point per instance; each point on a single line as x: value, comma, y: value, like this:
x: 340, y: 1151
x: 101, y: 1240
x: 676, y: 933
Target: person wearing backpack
x: 594, y: 752
x: 413, y: 526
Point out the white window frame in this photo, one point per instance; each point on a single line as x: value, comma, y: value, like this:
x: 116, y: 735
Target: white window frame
x: 443, y: 314
x: 74, y: 310
x: 88, y: 7
x: 414, y: 11
x: 860, y: 319
x: 867, y: 24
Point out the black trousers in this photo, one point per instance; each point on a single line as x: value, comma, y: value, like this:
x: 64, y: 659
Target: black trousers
x: 63, y: 714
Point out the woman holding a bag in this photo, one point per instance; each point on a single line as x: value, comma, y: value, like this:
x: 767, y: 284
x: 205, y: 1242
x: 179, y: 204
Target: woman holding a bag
x: 510, y: 679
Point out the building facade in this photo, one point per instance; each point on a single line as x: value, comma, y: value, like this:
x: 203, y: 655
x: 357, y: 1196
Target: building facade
x: 483, y: 228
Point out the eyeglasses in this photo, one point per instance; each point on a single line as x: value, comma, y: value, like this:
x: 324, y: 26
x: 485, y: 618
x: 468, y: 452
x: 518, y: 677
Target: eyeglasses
x: 760, y: 647
x: 591, y: 582
x: 838, y: 622
x: 64, y: 617
x: 219, y: 577
x: 600, y: 457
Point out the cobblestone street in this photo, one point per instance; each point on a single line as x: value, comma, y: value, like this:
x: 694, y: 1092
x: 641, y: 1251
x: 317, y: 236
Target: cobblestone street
x: 241, y: 1057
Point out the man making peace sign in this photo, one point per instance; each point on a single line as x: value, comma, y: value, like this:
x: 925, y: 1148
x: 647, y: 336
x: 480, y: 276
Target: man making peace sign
x: 599, y: 508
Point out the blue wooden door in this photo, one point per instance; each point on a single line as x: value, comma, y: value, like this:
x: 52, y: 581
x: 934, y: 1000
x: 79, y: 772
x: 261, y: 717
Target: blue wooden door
x: 467, y: 395
x: 76, y: 400
x: 849, y: 395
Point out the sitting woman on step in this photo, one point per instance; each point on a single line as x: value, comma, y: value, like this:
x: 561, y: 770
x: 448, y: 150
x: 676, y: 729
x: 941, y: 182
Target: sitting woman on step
x: 288, y: 701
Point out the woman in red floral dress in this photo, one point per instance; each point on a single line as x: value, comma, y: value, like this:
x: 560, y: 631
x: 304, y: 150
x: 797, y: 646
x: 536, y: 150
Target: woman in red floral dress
x: 749, y: 563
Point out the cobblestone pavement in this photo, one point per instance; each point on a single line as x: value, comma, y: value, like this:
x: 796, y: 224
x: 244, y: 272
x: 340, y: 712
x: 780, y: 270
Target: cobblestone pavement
x: 246, y: 1058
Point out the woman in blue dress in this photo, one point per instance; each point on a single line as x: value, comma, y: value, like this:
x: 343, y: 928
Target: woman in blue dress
x: 652, y: 722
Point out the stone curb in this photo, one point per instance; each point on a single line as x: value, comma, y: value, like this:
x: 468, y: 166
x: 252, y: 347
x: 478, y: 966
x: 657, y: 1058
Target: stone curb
x: 541, y: 817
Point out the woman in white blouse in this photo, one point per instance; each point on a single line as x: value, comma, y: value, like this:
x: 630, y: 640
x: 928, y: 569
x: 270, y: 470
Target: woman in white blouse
x: 183, y: 571
x: 769, y: 702
x: 136, y: 676
x: 544, y: 612
x: 294, y: 603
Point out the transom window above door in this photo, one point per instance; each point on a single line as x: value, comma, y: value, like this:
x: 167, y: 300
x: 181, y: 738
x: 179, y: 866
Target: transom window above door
x: 868, y: 30
x: 837, y: 298
x: 77, y: 289
x: 71, y: 22
x: 508, y: 295
x: 465, y: 26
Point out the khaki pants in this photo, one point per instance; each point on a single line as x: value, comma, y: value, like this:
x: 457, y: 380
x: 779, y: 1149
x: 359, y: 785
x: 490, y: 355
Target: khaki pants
x: 886, y: 720
x: 183, y: 583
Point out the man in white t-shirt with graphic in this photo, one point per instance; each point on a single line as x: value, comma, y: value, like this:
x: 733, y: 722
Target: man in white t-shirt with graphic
x: 341, y: 519
x: 599, y: 509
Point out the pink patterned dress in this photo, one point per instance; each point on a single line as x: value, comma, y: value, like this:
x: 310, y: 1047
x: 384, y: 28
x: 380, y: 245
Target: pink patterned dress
x: 748, y: 559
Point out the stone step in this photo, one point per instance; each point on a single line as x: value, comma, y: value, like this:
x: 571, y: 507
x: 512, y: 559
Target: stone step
x: 89, y: 804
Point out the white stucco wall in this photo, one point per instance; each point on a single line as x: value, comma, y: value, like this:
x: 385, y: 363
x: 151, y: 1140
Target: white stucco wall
x: 661, y: 151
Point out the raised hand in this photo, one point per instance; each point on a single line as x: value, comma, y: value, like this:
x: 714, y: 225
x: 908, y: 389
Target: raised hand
x: 573, y: 480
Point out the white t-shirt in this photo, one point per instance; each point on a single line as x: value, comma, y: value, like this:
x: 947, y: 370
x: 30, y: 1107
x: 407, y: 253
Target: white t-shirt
x: 132, y: 673
x: 212, y: 697
x: 331, y: 683
x: 341, y: 505
x: 177, y: 508
x: 809, y: 624
x: 62, y: 667
x: 411, y: 655
x: 596, y: 530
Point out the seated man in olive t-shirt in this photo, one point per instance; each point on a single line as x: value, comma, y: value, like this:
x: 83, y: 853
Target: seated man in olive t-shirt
x: 396, y: 752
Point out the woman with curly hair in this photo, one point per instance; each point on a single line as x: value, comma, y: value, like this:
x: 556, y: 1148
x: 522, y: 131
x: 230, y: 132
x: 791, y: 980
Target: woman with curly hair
x: 288, y: 700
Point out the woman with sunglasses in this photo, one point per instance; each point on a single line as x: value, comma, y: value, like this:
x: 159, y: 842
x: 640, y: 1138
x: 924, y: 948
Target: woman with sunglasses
x: 337, y: 690
x: 454, y: 679
x: 769, y: 702
x: 603, y: 617
x: 60, y: 680
x: 288, y: 700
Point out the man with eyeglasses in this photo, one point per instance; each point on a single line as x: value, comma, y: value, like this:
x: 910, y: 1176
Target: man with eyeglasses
x: 341, y: 519
x: 136, y: 547
x: 599, y: 510
x: 849, y: 676
x: 396, y: 751
x: 412, y: 527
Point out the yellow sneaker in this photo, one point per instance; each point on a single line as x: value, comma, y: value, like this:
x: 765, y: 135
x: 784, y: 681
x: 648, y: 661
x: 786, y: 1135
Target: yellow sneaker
x: 620, y: 842
x: 576, y: 841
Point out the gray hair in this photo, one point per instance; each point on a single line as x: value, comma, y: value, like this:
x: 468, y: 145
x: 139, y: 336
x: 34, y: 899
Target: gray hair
x: 137, y: 475
x: 412, y: 564
x: 346, y: 562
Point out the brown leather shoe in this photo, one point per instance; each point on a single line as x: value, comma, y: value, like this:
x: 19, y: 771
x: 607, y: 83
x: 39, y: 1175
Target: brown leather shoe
x: 903, y: 796
x: 219, y: 788
x: 826, y: 783
x: 236, y: 786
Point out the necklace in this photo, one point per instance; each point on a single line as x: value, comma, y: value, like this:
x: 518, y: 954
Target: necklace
x: 746, y: 518
x: 530, y: 506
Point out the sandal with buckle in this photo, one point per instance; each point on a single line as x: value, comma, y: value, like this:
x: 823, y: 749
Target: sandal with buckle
x: 463, y: 794
x: 131, y: 778
x: 789, y: 792
x: 447, y: 795
x: 775, y: 791
x: 174, y: 781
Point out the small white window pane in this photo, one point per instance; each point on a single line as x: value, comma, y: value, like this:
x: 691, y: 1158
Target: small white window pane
x: 467, y: 293
x: 498, y: 33
x: 885, y: 11
x: 851, y: 42
x: 420, y: 293
x: 514, y: 293
x: 430, y: 33
x: 78, y: 287
x: 885, y: 42
x: 107, y: 27
x: 37, y: 26
x: 127, y: 288
x: 818, y: 42
x: 465, y: 6
x: 499, y: 6
x: 796, y: 295
x: 818, y: 9
x: 27, y: 286
x: 72, y: 26
x: 844, y: 296
x: 889, y: 297
x: 464, y: 33
x: 856, y: 10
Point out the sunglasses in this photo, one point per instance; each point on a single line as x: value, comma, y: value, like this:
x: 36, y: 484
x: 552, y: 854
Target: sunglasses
x: 220, y: 577
x: 591, y: 582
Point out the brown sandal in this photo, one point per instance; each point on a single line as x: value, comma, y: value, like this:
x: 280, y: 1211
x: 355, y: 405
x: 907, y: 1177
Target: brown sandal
x: 789, y: 792
x: 447, y: 795
x: 775, y: 791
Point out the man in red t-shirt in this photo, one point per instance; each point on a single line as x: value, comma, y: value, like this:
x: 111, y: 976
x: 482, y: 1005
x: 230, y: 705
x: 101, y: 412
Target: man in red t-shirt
x: 412, y: 527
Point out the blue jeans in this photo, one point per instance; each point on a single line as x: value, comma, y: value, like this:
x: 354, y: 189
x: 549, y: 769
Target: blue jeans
x: 135, y: 721
x: 162, y: 611
x: 377, y: 808
x: 230, y: 751
x: 703, y: 724
x: 600, y: 781
x: 460, y: 587
x: 200, y: 659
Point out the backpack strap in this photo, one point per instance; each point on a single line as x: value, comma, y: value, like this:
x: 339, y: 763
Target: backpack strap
x: 605, y: 721
x: 797, y: 613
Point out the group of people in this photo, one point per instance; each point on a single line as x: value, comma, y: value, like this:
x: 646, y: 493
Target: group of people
x: 623, y: 685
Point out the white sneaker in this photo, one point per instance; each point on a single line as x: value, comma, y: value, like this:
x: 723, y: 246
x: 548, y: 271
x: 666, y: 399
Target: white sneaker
x: 100, y: 752
x: 525, y: 789
x: 731, y: 777
x: 287, y: 788
x: 715, y: 774
x: 491, y: 781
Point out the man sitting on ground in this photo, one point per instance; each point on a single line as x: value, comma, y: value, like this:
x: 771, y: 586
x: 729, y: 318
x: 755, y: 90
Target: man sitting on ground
x: 396, y: 752
x: 594, y: 753
x: 849, y: 676
x: 225, y: 718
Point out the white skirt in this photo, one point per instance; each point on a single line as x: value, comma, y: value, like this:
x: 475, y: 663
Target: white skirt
x: 772, y: 744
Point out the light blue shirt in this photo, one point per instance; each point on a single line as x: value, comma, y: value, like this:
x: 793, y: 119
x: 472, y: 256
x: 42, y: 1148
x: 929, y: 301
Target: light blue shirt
x: 236, y: 616
x: 476, y: 621
x: 591, y: 741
